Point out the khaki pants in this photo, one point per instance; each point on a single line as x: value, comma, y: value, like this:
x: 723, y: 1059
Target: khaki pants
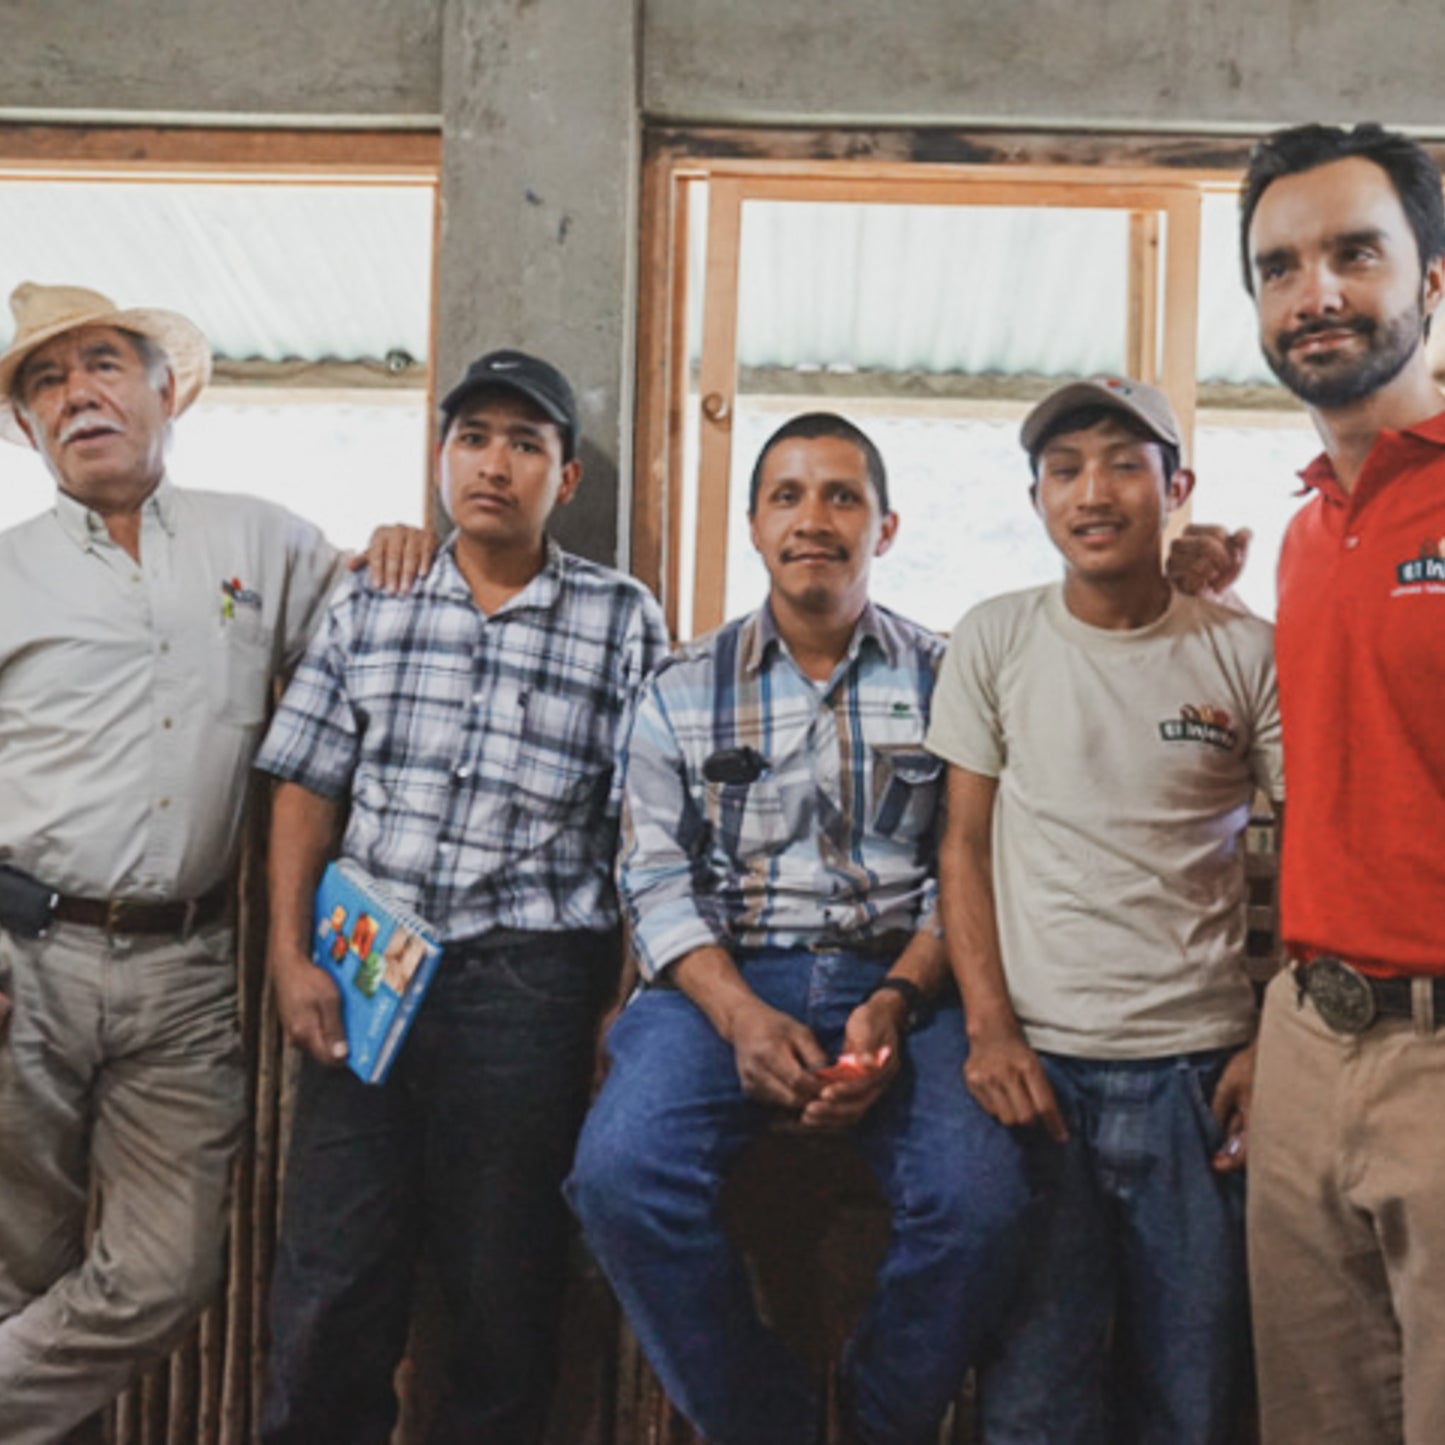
x: 1347, y: 1228
x: 121, y: 1068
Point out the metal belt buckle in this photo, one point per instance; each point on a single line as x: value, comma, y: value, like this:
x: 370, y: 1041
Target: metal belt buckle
x: 1341, y: 995
x: 115, y: 911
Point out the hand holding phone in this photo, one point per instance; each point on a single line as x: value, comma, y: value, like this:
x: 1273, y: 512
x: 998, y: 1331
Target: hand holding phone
x: 848, y: 1067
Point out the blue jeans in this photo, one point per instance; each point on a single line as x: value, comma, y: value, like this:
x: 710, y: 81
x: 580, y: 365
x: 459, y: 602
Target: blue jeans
x: 1132, y: 1325
x: 657, y: 1147
x: 462, y: 1152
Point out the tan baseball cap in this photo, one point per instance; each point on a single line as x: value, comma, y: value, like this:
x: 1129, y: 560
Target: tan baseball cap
x: 1145, y: 403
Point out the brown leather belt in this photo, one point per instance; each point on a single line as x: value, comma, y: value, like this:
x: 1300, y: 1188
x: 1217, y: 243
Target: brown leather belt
x: 137, y: 915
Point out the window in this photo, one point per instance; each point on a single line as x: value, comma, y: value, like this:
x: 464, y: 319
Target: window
x: 934, y: 303
x: 312, y: 285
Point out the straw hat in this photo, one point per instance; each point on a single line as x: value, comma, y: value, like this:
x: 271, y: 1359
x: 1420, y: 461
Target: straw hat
x: 44, y: 312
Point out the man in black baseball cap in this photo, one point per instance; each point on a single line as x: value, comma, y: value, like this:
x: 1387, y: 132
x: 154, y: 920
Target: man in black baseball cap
x: 466, y: 734
x: 539, y: 381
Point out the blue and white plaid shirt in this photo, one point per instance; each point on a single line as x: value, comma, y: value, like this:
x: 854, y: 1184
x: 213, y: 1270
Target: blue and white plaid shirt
x: 836, y: 836
x: 478, y: 752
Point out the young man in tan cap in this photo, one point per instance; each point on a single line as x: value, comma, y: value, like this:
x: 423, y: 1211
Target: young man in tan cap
x: 1105, y: 739
x: 141, y: 630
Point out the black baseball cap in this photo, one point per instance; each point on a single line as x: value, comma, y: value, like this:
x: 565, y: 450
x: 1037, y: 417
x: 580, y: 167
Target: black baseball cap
x: 539, y: 381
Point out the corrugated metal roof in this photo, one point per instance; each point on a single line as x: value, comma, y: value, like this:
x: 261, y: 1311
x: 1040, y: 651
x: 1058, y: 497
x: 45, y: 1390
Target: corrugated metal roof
x: 976, y: 290
x: 269, y: 271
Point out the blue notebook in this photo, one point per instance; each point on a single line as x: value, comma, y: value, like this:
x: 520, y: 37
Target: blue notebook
x: 382, y: 958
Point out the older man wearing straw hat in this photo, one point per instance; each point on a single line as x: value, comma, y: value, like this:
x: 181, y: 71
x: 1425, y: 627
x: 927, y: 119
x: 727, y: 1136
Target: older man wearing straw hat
x: 141, y: 628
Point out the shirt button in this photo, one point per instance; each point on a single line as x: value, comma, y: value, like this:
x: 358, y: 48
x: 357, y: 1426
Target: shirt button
x: 444, y: 847
x: 1352, y: 541
x: 165, y: 647
x: 164, y: 803
x: 476, y: 699
x: 136, y: 577
x: 165, y: 722
x: 463, y: 772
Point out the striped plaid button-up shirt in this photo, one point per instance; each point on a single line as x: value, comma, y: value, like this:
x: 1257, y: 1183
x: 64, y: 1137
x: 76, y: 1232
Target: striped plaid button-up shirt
x: 478, y: 751
x: 834, y: 835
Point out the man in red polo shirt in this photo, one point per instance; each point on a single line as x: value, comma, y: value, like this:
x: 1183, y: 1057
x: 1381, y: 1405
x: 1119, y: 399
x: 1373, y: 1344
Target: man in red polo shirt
x: 1343, y: 238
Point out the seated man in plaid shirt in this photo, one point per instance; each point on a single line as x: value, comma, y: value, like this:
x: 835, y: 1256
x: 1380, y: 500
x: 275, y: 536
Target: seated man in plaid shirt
x: 471, y: 730
x: 778, y: 870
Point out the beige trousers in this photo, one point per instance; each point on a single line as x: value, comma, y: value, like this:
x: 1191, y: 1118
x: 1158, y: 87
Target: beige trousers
x: 1347, y: 1228
x: 120, y: 1069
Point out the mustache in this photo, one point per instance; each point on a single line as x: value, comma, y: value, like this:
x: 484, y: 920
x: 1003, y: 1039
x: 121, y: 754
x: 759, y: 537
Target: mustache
x: 1361, y: 324
x: 835, y: 554
x: 84, y: 423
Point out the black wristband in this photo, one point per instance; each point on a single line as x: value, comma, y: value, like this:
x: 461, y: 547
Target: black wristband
x: 918, y: 1011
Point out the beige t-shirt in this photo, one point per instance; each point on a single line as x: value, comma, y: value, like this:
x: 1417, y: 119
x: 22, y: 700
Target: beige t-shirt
x: 1126, y: 764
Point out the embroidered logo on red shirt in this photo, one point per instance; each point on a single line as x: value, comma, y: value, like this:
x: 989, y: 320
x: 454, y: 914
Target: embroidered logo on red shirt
x: 1428, y: 565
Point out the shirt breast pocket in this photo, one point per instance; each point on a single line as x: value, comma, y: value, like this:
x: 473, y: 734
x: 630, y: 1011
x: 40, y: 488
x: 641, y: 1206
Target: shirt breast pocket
x: 906, y: 789
x: 241, y: 671
x: 748, y: 819
x: 561, y: 765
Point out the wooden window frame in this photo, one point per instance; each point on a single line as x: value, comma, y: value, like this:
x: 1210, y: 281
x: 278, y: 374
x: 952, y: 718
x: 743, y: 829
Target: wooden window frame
x: 1147, y: 175
x: 242, y: 155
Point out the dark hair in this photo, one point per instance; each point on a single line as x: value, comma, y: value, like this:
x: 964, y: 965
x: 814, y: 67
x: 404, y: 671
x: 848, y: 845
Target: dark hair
x: 1090, y: 415
x: 1414, y: 175
x: 810, y: 426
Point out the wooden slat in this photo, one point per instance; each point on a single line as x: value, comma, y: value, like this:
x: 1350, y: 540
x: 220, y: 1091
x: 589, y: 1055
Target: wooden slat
x: 677, y: 382
x: 717, y: 382
x: 350, y: 157
x: 1181, y: 329
x: 652, y: 408
x: 1142, y: 324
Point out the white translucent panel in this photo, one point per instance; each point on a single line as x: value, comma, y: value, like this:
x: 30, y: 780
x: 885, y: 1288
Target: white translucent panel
x: 348, y: 465
x: 934, y: 289
x: 1228, y: 330
x: 268, y: 272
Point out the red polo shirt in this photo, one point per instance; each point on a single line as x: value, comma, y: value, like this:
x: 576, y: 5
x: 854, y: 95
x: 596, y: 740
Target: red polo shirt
x: 1360, y: 642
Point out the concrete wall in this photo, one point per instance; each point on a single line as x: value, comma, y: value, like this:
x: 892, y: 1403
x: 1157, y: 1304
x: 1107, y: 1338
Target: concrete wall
x: 222, y: 57
x: 1251, y: 63
x: 538, y: 183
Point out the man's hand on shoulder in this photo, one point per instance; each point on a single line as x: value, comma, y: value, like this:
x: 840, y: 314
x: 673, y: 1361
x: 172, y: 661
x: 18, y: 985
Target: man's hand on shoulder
x: 310, y: 1007
x: 873, y: 1038
x: 1004, y: 1074
x: 396, y: 556
x: 1207, y: 560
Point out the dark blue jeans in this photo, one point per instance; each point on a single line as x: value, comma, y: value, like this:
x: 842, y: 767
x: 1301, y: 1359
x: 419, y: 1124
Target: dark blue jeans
x: 658, y: 1145
x: 1132, y: 1326
x: 461, y: 1152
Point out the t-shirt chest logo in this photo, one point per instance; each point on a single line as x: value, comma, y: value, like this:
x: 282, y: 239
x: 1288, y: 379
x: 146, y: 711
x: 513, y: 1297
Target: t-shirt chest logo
x: 1201, y: 723
x: 1424, y: 572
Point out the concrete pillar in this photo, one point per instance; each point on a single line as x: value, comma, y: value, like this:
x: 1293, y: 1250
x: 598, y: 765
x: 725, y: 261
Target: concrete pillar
x: 539, y: 163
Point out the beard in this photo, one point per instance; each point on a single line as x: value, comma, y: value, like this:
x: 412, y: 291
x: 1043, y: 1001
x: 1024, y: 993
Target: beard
x: 1332, y: 382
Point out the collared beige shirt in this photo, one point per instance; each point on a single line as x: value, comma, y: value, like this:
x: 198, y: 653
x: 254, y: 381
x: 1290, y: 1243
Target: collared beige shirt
x: 132, y: 694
